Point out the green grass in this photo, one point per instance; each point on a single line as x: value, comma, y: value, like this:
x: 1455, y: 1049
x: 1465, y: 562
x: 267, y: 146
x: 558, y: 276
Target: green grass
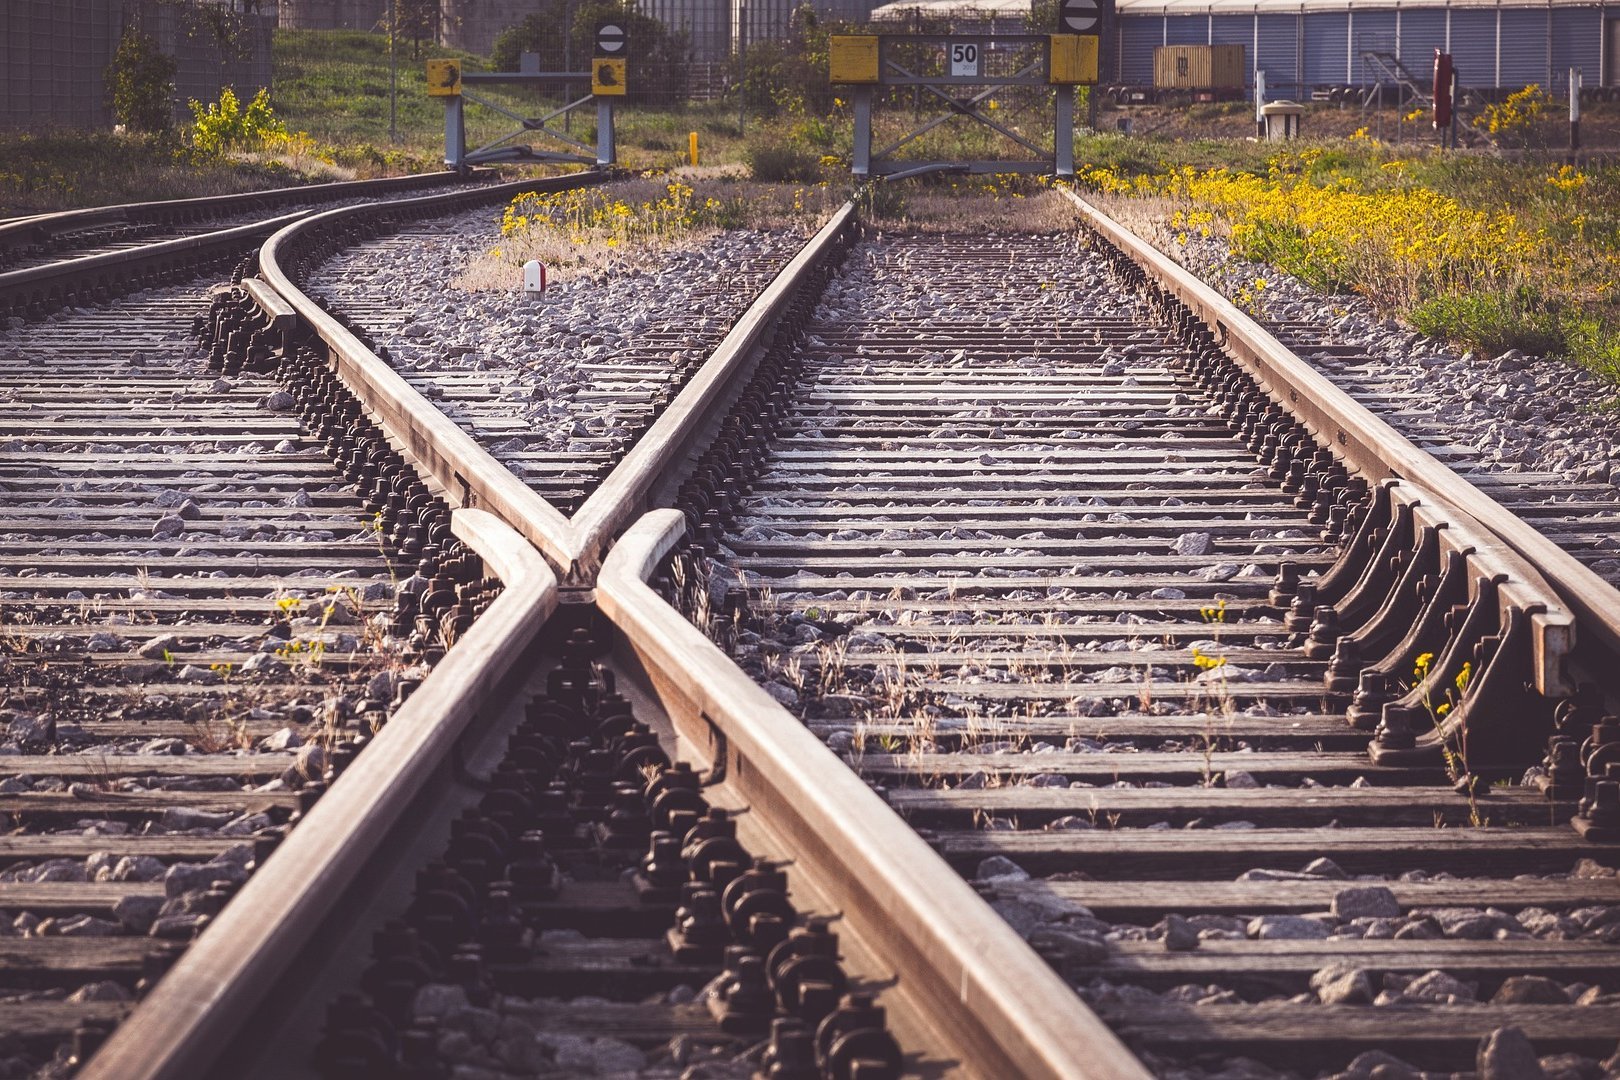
x: 1567, y: 304
x: 334, y: 84
x: 40, y: 173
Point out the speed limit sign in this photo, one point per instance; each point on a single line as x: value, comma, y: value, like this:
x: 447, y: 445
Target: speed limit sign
x: 964, y: 60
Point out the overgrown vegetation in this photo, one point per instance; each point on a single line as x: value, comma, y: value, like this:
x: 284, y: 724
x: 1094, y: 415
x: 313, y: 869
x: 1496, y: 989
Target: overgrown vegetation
x: 660, y: 68
x: 1491, y: 254
x: 589, y: 229
x: 140, y: 82
x: 1519, y: 119
x: 225, y: 125
x: 51, y: 171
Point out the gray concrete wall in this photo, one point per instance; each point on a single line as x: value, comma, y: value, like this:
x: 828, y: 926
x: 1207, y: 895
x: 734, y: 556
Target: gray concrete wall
x: 54, y: 55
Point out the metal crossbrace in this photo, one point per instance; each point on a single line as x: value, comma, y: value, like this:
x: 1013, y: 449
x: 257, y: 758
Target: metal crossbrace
x: 1057, y: 160
x: 968, y: 108
x: 1388, y: 64
x: 457, y: 156
x: 536, y: 125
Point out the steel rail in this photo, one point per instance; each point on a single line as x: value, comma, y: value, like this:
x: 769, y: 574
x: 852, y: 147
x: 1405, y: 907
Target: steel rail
x: 625, y: 493
x: 468, y: 474
x: 997, y: 1004
x: 966, y: 973
x: 55, y: 281
x: 214, y: 990
x: 1365, y: 442
x: 41, y: 228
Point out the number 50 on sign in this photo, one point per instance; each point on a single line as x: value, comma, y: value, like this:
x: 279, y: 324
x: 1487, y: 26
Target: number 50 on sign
x: 964, y: 60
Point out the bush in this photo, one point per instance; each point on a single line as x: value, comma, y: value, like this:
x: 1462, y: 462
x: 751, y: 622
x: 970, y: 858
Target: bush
x: 1492, y: 323
x: 658, y: 59
x: 225, y: 125
x: 1517, y: 120
x: 774, y: 161
x: 140, y: 81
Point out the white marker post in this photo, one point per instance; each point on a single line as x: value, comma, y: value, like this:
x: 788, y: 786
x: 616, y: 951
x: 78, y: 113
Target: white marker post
x: 534, y: 280
x: 1259, y: 103
x: 1574, y: 109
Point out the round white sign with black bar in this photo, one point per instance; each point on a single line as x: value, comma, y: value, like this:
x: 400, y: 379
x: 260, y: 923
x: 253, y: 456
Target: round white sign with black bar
x: 1078, y: 16
x: 610, y: 39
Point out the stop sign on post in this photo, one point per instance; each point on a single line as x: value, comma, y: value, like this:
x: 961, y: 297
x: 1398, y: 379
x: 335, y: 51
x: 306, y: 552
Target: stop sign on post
x: 1078, y: 16
x: 611, y: 39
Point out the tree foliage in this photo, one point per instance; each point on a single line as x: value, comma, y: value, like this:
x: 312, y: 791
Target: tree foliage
x: 140, y: 81
x: 657, y: 59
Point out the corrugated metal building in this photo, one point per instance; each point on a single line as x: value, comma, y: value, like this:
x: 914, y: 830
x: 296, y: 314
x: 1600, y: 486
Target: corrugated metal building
x: 716, y: 27
x: 706, y: 24
x: 1301, y: 44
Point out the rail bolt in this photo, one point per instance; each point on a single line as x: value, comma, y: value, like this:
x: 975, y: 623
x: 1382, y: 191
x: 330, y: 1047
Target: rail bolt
x: 853, y: 1045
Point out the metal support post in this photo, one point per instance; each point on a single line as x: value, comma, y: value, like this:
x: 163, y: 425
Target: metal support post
x: 605, y: 154
x: 1574, y: 109
x: 1457, y: 102
x: 455, y: 133
x: 1259, y: 103
x: 393, y: 73
x: 862, y: 164
x: 742, y: 65
x: 1063, y: 132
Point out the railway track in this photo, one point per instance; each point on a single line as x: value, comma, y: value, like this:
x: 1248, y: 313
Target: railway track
x: 1069, y: 590
x: 557, y: 391
x: 200, y: 628
x: 40, y: 239
x: 1016, y: 556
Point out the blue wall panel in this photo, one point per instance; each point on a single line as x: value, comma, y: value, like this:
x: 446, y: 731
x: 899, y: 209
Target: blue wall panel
x: 1332, y: 38
x: 1186, y: 30
x: 1327, y: 43
x: 1374, y: 31
x: 1233, y: 30
x: 1473, y: 46
x: 1524, y: 47
x: 1578, y: 42
x: 1278, y: 54
x: 1371, y: 31
x: 1422, y: 32
x: 1239, y: 30
x: 1137, y: 40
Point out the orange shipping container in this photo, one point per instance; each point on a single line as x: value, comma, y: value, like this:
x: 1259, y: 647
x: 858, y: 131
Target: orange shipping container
x: 1198, y: 67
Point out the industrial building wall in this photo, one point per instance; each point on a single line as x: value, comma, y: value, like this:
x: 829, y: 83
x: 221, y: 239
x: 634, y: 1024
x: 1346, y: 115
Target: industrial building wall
x: 1505, y: 47
x: 1372, y: 31
x: 1278, y: 54
x: 474, y: 25
x: 712, y: 25
x: 1326, y: 47
x: 846, y: 11
x: 56, y: 54
x: 760, y: 20
x: 333, y: 14
x: 706, y: 24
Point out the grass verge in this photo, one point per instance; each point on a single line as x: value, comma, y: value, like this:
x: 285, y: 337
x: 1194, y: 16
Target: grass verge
x: 1490, y: 253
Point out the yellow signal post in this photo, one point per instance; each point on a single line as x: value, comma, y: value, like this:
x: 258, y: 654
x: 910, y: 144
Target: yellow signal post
x: 444, y: 78
x: 1074, y: 59
x: 853, y: 58
x: 607, y: 77
x: 691, y: 147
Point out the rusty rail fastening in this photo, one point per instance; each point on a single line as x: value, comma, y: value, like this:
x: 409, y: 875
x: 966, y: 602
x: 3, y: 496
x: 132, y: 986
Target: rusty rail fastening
x: 1420, y: 576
